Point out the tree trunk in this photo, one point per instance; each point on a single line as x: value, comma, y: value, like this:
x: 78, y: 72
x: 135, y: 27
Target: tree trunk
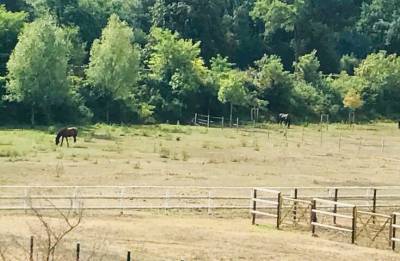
x: 32, y: 116
x: 230, y: 117
x: 108, y: 113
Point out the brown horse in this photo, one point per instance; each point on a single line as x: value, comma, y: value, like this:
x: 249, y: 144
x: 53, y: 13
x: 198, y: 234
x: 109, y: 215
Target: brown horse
x: 65, y: 133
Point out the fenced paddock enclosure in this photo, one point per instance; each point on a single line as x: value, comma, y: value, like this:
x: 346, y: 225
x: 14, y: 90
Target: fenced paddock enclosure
x: 357, y: 219
x: 365, y: 215
x: 344, y: 141
x: 170, y: 155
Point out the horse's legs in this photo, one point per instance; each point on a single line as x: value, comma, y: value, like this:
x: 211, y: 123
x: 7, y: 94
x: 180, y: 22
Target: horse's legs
x: 62, y: 140
x: 66, y: 138
x: 74, y: 139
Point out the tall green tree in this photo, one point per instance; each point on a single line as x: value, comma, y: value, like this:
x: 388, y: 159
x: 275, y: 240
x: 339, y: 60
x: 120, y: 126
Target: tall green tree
x: 380, y: 22
x: 38, y: 67
x: 232, y: 90
x: 200, y: 20
x: 274, y: 83
x: 114, y: 63
x: 178, y: 70
x: 10, y: 26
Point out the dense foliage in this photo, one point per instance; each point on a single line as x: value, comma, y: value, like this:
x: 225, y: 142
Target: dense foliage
x: 164, y: 60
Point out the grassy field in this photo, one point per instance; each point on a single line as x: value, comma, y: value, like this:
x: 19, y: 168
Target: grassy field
x: 313, y: 155
x: 184, y: 155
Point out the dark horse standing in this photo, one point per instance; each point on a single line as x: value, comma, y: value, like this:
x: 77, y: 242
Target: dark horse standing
x: 284, y: 118
x: 65, y: 133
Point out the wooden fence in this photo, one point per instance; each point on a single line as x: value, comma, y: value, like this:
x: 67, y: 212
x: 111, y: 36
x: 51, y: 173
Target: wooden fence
x: 267, y: 204
x: 365, y: 227
x: 77, y: 253
x: 328, y: 203
x: 125, y: 198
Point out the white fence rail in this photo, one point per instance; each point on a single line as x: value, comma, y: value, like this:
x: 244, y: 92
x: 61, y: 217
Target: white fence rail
x: 182, y: 197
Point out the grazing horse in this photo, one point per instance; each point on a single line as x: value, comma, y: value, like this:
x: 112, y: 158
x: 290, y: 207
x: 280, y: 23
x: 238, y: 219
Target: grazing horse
x: 65, y: 133
x: 284, y: 118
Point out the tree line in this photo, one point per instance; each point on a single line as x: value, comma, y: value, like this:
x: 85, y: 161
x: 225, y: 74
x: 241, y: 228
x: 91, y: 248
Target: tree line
x: 158, y: 60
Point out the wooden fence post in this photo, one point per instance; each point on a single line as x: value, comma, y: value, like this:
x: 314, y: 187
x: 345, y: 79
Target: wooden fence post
x: 278, y: 211
x: 335, y: 206
x: 195, y: 119
x: 237, y: 123
x: 128, y: 257
x: 295, y: 206
x: 253, y: 221
x: 354, y: 225
x: 390, y: 230
x: 78, y: 251
x: 208, y: 121
x: 313, y: 216
x: 31, y: 250
x: 393, y: 232
x: 222, y: 122
x: 374, y: 205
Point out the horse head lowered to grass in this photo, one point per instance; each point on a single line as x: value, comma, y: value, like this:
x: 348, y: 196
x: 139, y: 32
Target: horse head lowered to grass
x: 65, y: 133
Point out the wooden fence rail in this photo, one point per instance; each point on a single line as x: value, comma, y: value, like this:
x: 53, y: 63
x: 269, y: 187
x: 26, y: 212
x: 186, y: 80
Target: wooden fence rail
x: 274, y: 203
x: 315, y: 212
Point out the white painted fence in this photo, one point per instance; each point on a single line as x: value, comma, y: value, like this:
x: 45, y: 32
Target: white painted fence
x: 180, y: 197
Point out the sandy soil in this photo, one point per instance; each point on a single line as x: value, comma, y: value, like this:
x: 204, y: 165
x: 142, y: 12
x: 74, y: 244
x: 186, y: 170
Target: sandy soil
x: 195, y: 238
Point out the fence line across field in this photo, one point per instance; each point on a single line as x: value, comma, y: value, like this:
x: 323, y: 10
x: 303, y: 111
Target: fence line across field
x: 186, y: 197
x: 343, y: 140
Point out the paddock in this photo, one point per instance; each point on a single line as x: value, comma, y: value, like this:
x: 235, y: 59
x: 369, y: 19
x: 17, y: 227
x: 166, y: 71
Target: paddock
x: 152, y: 175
